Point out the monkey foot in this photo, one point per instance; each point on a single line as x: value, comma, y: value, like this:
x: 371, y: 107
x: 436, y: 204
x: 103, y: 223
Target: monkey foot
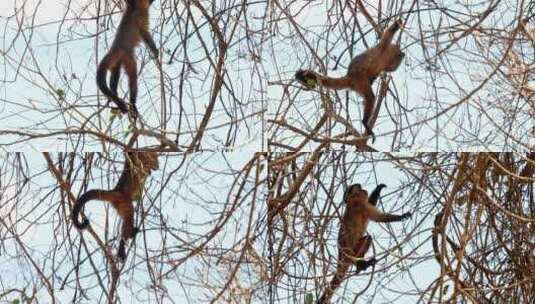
x: 362, y: 265
x: 121, y: 252
x: 372, y: 136
x: 132, y: 112
x: 116, y: 111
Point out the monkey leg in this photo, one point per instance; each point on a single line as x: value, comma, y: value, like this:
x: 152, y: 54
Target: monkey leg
x: 114, y: 79
x: 130, y: 67
x: 369, y: 102
x: 110, y: 62
x: 360, y: 249
x: 126, y: 212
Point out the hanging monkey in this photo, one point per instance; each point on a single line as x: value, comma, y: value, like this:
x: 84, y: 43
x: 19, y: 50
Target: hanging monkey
x: 133, y: 28
x: 137, y: 167
x: 362, y: 72
x: 352, y: 243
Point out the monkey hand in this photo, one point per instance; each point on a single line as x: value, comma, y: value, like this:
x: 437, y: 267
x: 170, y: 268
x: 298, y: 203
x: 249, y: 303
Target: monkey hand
x: 397, y: 25
x: 371, y: 262
x: 362, y: 265
x: 406, y: 215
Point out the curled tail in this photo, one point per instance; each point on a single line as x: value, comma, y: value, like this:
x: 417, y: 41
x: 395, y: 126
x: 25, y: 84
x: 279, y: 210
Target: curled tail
x: 102, y: 70
x: 339, y: 276
x: 80, y: 203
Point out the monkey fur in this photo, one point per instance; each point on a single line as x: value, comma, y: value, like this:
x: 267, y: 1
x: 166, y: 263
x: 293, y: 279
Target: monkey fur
x: 352, y: 241
x: 137, y: 167
x: 362, y: 72
x: 133, y: 28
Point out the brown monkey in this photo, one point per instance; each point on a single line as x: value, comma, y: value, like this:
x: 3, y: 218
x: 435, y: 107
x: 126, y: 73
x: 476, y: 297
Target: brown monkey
x: 362, y: 72
x: 133, y: 28
x: 352, y: 244
x: 137, y: 166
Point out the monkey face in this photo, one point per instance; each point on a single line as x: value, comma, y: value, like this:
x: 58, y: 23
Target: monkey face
x: 355, y: 194
x: 396, y: 55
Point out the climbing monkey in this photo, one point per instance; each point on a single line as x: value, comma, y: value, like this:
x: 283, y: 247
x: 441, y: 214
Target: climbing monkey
x: 133, y: 28
x: 137, y: 167
x: 352, y: 241
x: 362, y: 72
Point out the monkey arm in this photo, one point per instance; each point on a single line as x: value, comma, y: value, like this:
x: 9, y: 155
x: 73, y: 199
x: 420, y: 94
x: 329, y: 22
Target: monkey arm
x: 377, y: 216
x: 147, y: 38
x: 386, y: 39
x: 375, y: 194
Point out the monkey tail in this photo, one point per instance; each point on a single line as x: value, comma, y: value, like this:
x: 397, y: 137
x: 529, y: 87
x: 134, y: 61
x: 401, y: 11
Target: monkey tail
x: 341, y: 270
x: 101, y: 82
x: 80, y: 203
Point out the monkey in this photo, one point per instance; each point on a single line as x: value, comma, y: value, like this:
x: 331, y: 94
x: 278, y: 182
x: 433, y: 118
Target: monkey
x: 362, y: 72
x: 133, y: 28
x: 137, y: 167
x: 352, y: 243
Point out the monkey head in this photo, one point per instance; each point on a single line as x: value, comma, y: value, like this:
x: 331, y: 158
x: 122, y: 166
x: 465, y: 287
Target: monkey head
x: 395, y: 55
x: 355, y: 194
x: 148, y: 160
x: 307, y: 78
x: 151, y: 159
